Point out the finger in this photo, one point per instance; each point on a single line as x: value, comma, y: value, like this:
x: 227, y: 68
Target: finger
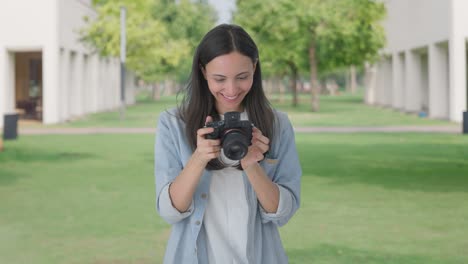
x: 208, y: 119
x: 257, y: 133
x: 260, y: 138
x: 257, y: 153
x: 263, y: 147
x: 209, y: 143
x: 204, y: 130
x: 256, y: 130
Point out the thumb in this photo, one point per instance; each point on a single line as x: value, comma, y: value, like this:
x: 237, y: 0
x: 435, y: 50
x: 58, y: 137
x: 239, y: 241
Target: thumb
x: 208, y: 119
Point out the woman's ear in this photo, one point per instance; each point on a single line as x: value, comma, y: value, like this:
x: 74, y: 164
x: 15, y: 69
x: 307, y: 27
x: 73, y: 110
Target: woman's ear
x: 202, y: 69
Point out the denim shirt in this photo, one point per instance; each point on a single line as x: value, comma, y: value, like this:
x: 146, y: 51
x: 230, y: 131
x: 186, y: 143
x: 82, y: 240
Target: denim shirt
x: 187, y: 242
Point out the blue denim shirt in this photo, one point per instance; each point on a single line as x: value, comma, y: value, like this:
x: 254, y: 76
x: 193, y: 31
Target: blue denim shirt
x: 187, y: 242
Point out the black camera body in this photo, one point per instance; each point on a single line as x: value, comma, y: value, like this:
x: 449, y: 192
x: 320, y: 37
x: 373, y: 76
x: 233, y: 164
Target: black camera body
x: 235, y: 135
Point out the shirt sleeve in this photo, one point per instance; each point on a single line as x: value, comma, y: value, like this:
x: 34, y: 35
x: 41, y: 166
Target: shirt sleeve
x: 167, y: 166
x: 171, y: 214
x: 284, y: 205
x: 285, y: 170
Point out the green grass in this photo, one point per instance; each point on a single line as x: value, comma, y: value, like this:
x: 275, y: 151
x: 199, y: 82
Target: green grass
x: 343, y: 110
x: 348, y: 110
x: 366, y: 198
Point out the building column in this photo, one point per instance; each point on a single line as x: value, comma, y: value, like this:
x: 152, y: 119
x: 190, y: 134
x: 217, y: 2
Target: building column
x: 86, y: 85
x: 438, y: 81
x: 64, y: 84
x: 94, y: 82
x: 7, y: 84
x: 457, y: 61
x: 51, y: 54
x: 102, y: 85
x: 388, y: 81
x: 380, y: 82
x: 370, y: 83
x: 129, y: 88
x: 412, y: 85
x: 116, y: 82
x: 3, y: 82
x: 398, y: 80
x: 78, y: 84
x: 72, y: 85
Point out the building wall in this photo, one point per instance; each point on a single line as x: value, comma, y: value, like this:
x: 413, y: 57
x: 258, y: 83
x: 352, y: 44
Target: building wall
x: 415, y: 23
x: 427, y: 43
x: 19, y: 35
x: 75, y: 80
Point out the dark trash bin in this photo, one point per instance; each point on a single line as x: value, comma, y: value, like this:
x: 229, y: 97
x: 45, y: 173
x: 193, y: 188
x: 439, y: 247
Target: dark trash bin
x: 465, y: 122
x: 10, y: 126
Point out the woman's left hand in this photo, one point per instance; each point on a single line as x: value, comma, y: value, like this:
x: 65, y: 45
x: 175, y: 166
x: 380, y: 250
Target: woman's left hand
x: 260, y: 145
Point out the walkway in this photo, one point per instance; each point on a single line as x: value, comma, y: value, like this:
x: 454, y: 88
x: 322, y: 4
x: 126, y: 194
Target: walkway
x: 145, y: 130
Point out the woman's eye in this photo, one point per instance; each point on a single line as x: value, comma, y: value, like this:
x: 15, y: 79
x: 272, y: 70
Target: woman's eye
x: 219, y: 80
x: 242, y: 77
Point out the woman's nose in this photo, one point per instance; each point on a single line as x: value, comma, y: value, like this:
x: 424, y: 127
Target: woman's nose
x: 231, y: 87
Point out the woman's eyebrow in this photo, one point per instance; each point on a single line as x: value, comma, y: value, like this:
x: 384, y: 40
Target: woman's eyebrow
x: 218, y: 75
x: 246, y: 72
x: 223, y: 76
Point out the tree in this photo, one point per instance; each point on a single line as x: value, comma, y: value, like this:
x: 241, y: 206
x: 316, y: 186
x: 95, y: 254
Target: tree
x: 276, y: 32
x: 186, y: 21
x: 160, y: 34
x: 330, y: 34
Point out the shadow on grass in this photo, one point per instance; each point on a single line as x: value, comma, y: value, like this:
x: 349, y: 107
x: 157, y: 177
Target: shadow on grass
x: 34, y: 155
x: 343, y: 255
x: 8, y: 176
x: 408, y: 166
x: 14, y: 157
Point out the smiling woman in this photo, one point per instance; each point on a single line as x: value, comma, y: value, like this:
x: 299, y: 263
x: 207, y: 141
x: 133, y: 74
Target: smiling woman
x: 229, y: 79
x: 226, y: 208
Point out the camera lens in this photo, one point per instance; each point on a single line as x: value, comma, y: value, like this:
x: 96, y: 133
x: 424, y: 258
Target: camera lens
x: 235, y: 144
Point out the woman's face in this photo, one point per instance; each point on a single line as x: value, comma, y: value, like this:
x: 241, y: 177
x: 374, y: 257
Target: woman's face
x: 229, y: 78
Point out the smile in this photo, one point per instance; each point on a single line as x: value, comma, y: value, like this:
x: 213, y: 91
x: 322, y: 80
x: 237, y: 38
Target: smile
x: 230, y: 97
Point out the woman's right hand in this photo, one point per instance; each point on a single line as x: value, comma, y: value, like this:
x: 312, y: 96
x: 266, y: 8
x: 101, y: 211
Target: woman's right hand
x: 207, y: 149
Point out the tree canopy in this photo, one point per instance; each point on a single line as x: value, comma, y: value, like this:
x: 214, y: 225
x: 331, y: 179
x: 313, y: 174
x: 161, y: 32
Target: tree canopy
x: 314, y: 36
x: 161, y: 34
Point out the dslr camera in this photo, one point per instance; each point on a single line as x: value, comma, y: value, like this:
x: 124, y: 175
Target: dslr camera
x: 235, y: 135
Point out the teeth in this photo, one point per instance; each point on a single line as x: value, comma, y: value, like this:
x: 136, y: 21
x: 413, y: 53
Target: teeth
x: 230, y: 97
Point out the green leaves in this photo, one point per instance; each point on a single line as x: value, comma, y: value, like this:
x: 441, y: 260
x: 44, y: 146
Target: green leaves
x: 344, y: 32
x: 161, y: 34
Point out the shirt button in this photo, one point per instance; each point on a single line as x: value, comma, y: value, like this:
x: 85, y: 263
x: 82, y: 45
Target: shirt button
x: 203, y: 195
x: 197, y: 222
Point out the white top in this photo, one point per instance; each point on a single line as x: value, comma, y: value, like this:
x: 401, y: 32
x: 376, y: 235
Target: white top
x: 226, y: 218
x: 226, y: 214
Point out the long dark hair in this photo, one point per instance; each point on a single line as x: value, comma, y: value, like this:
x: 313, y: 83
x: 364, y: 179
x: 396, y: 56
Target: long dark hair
x: 198, y: 102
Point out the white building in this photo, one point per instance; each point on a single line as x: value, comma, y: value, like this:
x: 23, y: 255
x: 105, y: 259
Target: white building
x: 424, y: 65
x: 45, y: 72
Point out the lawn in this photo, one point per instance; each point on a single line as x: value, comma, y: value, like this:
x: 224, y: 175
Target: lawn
x: 366, y: 198
x: 343, y: 110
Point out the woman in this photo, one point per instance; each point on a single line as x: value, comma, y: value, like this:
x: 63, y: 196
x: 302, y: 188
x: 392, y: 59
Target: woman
x: 223, y: 210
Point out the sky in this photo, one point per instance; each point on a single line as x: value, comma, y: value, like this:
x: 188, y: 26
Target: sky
x: 224, y: 9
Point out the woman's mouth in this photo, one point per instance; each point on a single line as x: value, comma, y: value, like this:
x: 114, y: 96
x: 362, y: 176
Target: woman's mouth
x: 230, y: 98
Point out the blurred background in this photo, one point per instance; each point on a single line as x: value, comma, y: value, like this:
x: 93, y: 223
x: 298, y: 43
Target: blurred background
x: 376, y: 92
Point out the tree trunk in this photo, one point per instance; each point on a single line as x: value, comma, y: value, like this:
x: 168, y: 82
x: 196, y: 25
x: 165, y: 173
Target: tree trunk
x: 267, y: 87
x: 348, y: 81
x: 281, y: 91
x: 169, y: 87
x: 314, y: 86
x: 155, y: 92
x: 353, y: 79
x: 293, y: 83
